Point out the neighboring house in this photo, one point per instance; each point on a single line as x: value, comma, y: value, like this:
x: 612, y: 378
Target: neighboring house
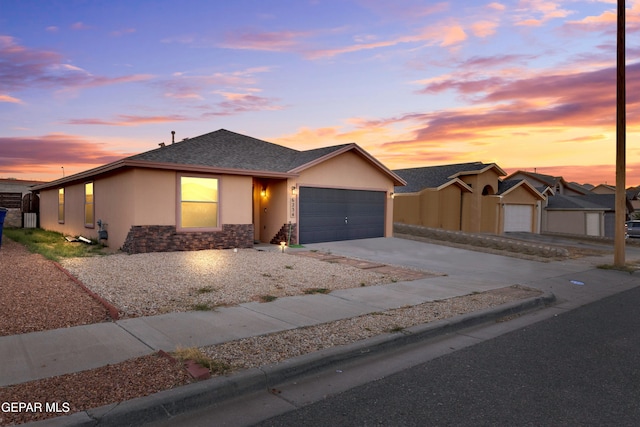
x: 604, y: 189
x: 224, y: 190
x: 587, y: 215
x: 556, y: 184
x: 468, y: 197
x: 14, y: 193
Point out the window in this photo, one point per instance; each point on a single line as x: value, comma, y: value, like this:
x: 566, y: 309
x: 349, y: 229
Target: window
x: 61, y: 205
x: 198, y: 202
x: 88, y: 204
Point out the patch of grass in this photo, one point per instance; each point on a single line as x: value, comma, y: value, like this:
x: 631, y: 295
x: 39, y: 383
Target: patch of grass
x: 296, y: 246
x: 628, y: 268
x: 205, y: 290
x: 201, y: 306
x: 289, y: 267
x: 310, y: 291
x: 193, y: 353
x: 396, y: 328
x: 267, y: 298
x: 52, y: 245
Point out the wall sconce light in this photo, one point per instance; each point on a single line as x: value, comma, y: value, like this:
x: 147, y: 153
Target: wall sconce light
x: 392, y: 195
x: 263, y: 192
x: 294, y: 190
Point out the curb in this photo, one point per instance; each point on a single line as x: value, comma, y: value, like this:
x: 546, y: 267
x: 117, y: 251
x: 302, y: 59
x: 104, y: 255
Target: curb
x: 169, y: 403
x: 113, y: 311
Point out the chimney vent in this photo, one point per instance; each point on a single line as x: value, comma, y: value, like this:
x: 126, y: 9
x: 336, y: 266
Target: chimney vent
x: 173, y: 136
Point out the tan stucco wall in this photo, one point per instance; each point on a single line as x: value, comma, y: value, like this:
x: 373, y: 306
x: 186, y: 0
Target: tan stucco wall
x: 271, y: 209
x: 430, y: 208
x: 349, y: 171
x: 569, y: 222
x: 138, y: 197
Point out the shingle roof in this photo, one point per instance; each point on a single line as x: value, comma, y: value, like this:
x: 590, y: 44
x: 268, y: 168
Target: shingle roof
x: 504, y: 186
x: 223, y: 149
x: 226, y: 149
x: 588, y: 201
x: 433, y: 176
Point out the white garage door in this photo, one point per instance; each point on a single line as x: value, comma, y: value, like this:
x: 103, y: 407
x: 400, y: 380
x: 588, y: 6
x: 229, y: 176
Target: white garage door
x: 593, y: 224
x: 518, y: 218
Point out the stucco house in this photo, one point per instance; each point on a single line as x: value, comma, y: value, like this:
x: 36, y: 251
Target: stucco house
x: 469, y: 197
x: 548, y: 184
x: 224, y: 190
x: 586, y: 215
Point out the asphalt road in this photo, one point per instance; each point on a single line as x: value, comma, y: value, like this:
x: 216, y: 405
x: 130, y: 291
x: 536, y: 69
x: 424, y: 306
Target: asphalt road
x: 577, y: 368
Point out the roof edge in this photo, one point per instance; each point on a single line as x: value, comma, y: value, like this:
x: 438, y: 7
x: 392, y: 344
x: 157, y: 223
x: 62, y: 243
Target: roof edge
x: 397, y: 181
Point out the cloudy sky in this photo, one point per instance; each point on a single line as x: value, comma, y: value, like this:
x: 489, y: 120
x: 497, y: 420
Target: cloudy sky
x: 527, y: 84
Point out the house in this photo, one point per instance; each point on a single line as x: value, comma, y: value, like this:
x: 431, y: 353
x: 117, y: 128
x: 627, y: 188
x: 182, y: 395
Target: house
x: 586, y: 215
x: 224, y: 190
x: 468, y: 197
x: 548, y: 184
x: 604, y: 189
x: 15, y: 196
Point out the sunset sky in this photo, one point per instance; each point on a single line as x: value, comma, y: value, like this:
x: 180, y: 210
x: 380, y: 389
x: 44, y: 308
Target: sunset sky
x: 527, y: 84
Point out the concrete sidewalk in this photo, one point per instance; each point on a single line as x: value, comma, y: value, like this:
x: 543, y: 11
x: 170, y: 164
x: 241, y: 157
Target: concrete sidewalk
x: 39, y: 355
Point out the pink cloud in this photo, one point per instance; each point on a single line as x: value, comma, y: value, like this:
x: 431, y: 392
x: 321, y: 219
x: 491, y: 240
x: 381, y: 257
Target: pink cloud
x: 589, y: 174
x: 80, y: 26
x: 42, y: 154
x: 275, y: 41
x: 22, y: 68
x: 185, y: 86
x: 10, y: 99
x: 129, y: 120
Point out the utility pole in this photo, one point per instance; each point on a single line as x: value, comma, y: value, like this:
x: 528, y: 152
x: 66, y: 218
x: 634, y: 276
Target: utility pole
x: 621, y: 101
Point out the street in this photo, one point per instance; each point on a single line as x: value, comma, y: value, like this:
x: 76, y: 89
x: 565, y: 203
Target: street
x: 577, y: 368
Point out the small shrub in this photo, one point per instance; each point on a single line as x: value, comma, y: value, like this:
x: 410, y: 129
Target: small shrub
x: 289, y: 267
x: 205, y: 290
x: 268, y: 298
x: 193, y: 353
x: 202, y: 306
x: 310, y: 291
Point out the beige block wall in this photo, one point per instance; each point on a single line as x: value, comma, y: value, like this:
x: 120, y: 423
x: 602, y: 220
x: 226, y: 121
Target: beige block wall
x: 569, y: 222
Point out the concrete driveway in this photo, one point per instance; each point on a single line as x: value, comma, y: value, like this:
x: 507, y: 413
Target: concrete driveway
x: 483, y: 269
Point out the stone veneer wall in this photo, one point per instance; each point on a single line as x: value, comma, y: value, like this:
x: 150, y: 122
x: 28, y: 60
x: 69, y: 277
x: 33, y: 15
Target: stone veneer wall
x: 164, y: 238
x: 283, y: 234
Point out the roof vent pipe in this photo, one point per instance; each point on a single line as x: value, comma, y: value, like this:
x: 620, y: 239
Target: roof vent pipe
x: 173, y: 136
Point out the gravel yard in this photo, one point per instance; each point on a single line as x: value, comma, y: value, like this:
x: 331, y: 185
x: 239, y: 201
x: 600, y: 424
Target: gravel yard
x: 38, y: 296
x: 156, y: 283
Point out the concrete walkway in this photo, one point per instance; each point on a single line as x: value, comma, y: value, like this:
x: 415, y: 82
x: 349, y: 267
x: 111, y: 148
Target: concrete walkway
x: 44, y: 354
x: 39, y: 355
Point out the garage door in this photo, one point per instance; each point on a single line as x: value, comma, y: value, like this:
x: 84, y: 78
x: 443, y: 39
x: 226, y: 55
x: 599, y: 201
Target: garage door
x: 518, y: 218
x: 328, y: 214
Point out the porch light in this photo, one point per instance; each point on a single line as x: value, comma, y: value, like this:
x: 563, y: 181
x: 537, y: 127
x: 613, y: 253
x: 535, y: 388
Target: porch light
x: 263, y: 192
x: 294, y: 190
x: 392, y: 195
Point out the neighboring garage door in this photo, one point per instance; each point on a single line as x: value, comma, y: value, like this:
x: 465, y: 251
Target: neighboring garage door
x: 328, y: 214
x: 518, y: 218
